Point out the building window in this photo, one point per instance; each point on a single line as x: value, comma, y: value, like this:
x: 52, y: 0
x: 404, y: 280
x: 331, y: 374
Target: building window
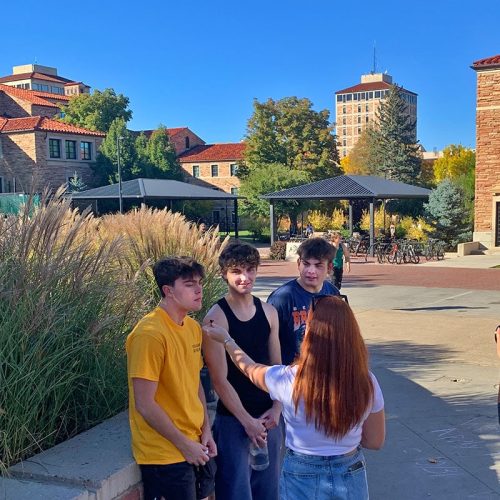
x: 377, y: 94
x: 359, y: 130
x: 344, y: 131
x: 215, y: 170
x: 359, y: 108
x: 215, y: 216
x: 71, y: 150
x: 234, y: 191
x: 196, y: 171
x: 344, y: 152
x: 55, y: 148
x: 344, y: 142
x: 186, y: 141
x: 344, y: 121
x: 85, y: 150
x: 234, y: 169
x: 367, y: 108
x: 359, y: 119
x: 343, y: 109
x: 367, y: 119
x: 339, y: 98
x: 348, y: 97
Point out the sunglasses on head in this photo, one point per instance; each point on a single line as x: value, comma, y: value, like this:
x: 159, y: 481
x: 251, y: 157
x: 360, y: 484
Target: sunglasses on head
x: 319, y: 296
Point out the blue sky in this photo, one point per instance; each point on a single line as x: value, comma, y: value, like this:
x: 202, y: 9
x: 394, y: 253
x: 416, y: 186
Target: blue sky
x: 201, y: 63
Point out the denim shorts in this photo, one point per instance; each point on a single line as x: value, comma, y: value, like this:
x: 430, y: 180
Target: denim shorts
x: 314, y: 477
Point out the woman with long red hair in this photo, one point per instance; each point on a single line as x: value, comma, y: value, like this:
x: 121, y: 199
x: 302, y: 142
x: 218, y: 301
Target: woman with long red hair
x: 332, y: 404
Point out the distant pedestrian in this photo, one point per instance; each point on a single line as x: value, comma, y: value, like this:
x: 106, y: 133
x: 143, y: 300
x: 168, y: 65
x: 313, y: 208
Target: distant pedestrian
x: 342, y: 259
x: 309, y: 230
x: 332, y: 404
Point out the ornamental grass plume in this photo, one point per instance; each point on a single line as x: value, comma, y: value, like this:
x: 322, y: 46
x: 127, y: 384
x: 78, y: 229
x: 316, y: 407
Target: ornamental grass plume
x: 71, y: 288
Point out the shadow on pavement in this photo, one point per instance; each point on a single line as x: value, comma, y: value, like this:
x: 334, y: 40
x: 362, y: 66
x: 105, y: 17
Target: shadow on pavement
x: 442, y: 447
x: 437, y: 308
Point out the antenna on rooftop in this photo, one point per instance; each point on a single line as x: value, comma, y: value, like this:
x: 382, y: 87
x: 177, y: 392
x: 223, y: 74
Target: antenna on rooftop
x: 374, y: 69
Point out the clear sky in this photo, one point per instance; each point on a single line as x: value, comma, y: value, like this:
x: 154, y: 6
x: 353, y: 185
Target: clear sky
x: 201, y: 63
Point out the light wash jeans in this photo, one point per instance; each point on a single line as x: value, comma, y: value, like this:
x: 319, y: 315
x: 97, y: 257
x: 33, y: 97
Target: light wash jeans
x: 313, y: 477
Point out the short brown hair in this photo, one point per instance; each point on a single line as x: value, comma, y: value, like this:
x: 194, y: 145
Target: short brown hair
x: 238, y: 254
x: 167, y: 270
x: 316, y: 248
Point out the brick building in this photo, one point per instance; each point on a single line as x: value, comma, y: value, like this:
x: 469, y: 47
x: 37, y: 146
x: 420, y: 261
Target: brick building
x: 37, y: 151
x: 487, y: 197
x: 44, y: 79
x: 355, y: 108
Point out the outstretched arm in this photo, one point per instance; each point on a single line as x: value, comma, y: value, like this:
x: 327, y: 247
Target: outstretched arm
x: 254, y: 371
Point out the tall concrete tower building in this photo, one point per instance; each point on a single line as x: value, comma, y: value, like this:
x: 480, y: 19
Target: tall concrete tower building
x: 355, y: 107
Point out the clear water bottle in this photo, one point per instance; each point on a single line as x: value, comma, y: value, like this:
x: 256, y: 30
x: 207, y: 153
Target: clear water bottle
x: 259, y: 457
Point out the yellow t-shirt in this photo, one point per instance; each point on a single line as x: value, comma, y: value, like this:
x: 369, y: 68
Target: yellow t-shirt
x: 160, y: 350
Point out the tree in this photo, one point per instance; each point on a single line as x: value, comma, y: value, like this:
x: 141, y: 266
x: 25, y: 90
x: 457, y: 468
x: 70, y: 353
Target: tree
x: 267, y: 179
x: 397, y: 150
x: 161, y: 155
x: 106, y: 166
x: 455, y: 162
x: 445, y: 211
x: 289, y: 132
x: 363, y: 158
x: 96, y: 111
x: 76, y: 184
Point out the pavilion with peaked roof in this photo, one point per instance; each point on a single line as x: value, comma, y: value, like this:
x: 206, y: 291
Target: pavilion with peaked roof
x: 347, y: 187
x: 144, y: 190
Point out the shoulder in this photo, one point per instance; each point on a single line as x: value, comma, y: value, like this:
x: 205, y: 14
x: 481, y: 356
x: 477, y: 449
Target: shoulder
x: 283, y: 291
x: 330, y: 289
x: 270, y: 311
x: 192, y: 324
x: 215, y: 314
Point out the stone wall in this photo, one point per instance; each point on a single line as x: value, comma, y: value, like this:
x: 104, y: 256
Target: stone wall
x: 12, y: 107
x: 487, y: 155
x: 179, y: 141
x: 18, y: 162
x: 224, y: 180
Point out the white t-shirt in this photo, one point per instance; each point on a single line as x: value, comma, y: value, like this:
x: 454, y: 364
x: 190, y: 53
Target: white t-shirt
x: 303, y: 437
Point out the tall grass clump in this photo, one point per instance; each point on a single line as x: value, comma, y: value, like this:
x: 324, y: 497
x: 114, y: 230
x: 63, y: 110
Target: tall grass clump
x: 71, y: 288
x: 151, y: 234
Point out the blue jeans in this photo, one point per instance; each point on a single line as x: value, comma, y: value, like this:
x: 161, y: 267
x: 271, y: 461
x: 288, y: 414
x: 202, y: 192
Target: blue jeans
x: 308, y: 477
x: 235, y: 479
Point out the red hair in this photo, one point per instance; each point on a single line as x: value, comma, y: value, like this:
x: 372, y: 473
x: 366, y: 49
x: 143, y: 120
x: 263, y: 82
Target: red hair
x: 332, y: 377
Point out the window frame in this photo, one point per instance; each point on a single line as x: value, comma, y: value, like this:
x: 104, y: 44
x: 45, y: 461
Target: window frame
x: 52, y: 141
x: 194, y: 169
x: 66, y: 149
x: 214, y: 168
x: 82, y: 151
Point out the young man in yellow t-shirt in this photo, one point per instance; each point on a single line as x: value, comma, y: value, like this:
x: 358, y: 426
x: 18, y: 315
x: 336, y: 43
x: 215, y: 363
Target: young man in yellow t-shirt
x: 171, y: 437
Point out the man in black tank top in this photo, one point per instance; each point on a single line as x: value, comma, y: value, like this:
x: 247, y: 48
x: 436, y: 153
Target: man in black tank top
x: 245, y: 413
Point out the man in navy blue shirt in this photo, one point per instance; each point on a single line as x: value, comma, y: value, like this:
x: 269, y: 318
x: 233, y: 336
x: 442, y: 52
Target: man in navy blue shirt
x: 293, y: 299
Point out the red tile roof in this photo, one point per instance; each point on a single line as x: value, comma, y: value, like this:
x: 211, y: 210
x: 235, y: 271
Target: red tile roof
x: 488, y: 62
x: 41, y: 123
x: 366, y: 87
x: 50, y: 95
x: 214, y: 152
x: 170, y: 131
x: 27, y: 95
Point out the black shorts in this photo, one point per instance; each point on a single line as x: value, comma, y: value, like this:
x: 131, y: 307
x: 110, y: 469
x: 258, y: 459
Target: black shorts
x: 180, y: 481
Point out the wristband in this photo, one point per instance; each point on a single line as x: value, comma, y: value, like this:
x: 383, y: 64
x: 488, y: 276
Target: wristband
x: 229, y: 339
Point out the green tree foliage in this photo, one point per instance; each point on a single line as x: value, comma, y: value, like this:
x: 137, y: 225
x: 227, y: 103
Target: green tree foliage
x: 363, y: 158
x: 76, y: 184
x: 445, y: 211
x: 397, y: 150
x: 161, y: 155
x: 267, y: 179
x: 106, y: 166
x: 289, y: 132
x: 455, y: 162
x: 97, y: 111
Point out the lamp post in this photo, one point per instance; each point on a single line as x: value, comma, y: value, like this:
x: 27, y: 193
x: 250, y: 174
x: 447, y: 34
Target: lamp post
x: 120, y: 195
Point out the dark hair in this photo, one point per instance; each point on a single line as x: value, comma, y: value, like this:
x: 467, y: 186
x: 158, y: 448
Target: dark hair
x: 316, y: 248
x: 238, y: 254
x: 167, y: 270
x: 332, y: 377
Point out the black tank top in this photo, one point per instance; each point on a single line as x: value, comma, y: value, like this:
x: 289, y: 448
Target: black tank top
x: 253, y: 337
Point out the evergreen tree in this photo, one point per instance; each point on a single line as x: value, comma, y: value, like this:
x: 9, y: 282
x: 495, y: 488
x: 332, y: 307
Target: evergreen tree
x: 76, y: 184
x: 445, y: 211
x: 397, y: 151
x: 107, y: 160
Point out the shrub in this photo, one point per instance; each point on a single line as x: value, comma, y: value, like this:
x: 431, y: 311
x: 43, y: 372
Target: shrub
x: 338, y: 220
x: 278, y: 250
